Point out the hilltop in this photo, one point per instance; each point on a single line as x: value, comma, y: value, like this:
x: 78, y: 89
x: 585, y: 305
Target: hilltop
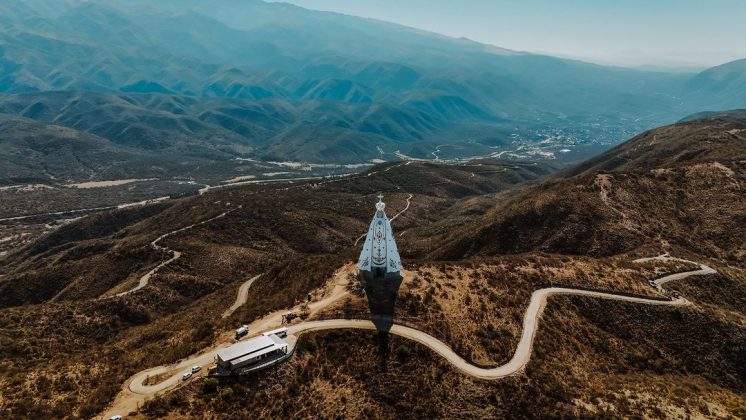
x: 476, y: 239
x: 680, y: 185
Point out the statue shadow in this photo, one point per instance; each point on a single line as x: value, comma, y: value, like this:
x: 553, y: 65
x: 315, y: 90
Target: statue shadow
x: 382, y: 290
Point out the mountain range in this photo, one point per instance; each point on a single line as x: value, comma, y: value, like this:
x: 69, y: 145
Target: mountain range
x: 196, y: 81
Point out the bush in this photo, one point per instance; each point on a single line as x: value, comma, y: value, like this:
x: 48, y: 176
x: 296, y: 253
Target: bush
x: 210, y: 386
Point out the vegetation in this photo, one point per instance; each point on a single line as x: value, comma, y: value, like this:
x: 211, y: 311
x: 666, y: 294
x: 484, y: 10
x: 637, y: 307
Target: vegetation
x: 65, y: 352
x: 650, y: 190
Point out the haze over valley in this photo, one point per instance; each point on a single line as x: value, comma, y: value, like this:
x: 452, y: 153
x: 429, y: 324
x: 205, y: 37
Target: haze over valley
x: 271, y: 81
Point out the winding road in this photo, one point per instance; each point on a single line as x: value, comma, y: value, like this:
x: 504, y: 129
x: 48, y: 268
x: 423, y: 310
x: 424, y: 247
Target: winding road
x: 175, y: 255
x: 531, y: 319
x: 241, y: 297
x: 522, y: 353
x: 703, y: 270
x: 135, y: 392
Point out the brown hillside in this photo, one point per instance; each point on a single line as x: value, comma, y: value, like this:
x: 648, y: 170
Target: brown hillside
x: 504, y: 233
x: 683, y: 184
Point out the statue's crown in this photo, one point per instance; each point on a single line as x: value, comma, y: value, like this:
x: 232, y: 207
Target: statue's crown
x: 380, y: 205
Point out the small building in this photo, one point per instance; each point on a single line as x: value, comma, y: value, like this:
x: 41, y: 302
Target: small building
x: 254, y: 352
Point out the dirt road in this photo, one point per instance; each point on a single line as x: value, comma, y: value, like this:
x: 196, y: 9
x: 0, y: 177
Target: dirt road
x: 175, y: 255
x: 135, y: 392
x: 241, y: 297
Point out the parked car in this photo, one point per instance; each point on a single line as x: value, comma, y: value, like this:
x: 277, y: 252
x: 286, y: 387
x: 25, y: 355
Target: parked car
x: 196, y: 368
x: 186, y: 376
x: 117, y: 417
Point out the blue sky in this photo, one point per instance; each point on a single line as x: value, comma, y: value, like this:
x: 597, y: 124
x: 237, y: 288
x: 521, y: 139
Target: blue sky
x: 694, y: 33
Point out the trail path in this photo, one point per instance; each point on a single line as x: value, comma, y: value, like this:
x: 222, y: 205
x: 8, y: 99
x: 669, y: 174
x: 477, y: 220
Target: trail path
x: 242, y: 297
x: 175, y: 255
x: 134, y: 392
x: 409, y: 201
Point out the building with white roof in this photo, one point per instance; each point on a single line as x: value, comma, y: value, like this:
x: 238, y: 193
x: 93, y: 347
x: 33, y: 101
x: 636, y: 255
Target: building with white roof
x: 251, y: 352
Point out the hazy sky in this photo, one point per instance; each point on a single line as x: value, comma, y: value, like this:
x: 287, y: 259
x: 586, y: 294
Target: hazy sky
x: 626, y: 32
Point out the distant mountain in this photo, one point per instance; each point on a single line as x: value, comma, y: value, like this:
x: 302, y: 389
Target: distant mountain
x: 37, y: 152
x: 217, y: 128
x: 727, y: 82
x: 221, y: 79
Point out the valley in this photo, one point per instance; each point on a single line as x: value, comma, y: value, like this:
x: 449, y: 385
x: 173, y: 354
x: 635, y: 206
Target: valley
x: 98, y: 107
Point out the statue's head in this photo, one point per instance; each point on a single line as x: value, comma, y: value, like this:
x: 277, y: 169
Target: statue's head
x: 380, y: 205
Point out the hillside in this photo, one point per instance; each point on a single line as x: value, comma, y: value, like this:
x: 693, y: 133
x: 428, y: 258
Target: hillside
x: 35, y: 152
x: 476, y: 239
x: 680, y: 185
x: 170, y: 170
x: 727, y: 81
x: 85, y: 253
x: 289, y: 233
x: 699, y: 139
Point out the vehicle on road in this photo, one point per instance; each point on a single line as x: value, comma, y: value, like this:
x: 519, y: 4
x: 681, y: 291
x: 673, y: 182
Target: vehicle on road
x: 288, y: 317
x: 280, y: 332
x: 242, y: 332
x: 196, y: 369
x: 186, y: 376
x: 117, y: 417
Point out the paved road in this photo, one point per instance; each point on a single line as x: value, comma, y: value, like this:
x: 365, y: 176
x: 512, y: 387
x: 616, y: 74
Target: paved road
x: 135, y: 392
x: 88, y: 210
x: 522, y: 353
x: 209, y: 188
